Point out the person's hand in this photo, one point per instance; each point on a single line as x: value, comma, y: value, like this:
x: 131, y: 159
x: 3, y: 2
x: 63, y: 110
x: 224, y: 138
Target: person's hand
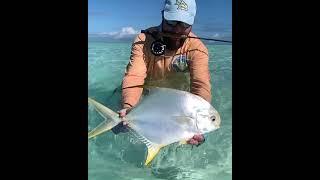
x: 122, y: 126
x: 122, y: 113
x: 197, y: 140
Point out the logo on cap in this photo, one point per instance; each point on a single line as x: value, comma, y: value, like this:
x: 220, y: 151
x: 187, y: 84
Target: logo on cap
x: 181, y: 5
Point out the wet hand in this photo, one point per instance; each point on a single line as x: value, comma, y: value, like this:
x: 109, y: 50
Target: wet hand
x: 122, y: 113
x: 197, y: 140
x: 122, y: 126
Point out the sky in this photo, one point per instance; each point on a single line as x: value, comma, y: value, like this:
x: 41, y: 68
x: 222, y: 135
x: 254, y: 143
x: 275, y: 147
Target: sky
x: 123, y: 19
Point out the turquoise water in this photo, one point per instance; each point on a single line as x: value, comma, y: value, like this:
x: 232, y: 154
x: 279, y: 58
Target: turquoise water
x: 122, y: 156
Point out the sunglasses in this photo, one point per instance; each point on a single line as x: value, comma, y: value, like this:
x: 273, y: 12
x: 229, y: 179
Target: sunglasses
x: 175, y: 23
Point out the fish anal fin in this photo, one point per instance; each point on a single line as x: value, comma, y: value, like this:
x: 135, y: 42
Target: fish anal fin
x: 153, y: 150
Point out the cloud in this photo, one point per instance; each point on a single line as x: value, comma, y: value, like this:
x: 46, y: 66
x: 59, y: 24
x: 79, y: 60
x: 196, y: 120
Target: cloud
x: 213, y: 28
x: 111, y: 33
x: 123, y: 33
x: 216, y: 35
x: 126, y: 32
x: 225, y: 36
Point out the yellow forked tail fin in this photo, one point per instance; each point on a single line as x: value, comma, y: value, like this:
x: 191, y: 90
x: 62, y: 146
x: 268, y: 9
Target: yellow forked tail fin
x: 101, y: 128
x: 106, y: 113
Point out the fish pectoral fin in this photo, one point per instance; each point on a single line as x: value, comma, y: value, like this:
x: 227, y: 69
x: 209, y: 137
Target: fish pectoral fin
x: 153, y: 150
x: 184, y: 119
x: 101, y: 128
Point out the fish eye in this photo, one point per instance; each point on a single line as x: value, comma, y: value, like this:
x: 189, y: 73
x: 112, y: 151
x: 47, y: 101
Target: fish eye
x: 213, y: 118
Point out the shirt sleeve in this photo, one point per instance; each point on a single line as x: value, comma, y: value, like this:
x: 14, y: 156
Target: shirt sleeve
x: 135, y: 74
x: 199, y: 73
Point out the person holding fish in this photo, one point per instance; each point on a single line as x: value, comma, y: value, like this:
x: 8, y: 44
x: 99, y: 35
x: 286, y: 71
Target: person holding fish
x: 169, y: 55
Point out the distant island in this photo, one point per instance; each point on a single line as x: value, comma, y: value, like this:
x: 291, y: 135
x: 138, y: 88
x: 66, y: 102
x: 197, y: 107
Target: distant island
x: 97, y: 38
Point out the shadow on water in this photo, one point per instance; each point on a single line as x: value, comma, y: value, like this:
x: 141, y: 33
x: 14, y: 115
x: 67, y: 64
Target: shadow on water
x: 135, y: 154
x: 169, y: 173
x: 109, y: 98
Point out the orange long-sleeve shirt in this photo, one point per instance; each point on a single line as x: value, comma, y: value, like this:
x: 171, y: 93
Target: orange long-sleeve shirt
x: 186, y: 69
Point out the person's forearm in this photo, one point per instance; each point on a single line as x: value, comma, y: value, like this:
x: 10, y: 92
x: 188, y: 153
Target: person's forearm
x: 130, y: 93
x: 134, y: 75
x: 200, y: 76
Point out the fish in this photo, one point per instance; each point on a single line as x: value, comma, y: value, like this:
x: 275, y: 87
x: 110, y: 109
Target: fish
x: 162, y: 117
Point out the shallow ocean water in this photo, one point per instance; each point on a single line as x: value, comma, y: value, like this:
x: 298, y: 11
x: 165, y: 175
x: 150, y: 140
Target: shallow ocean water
x: 122, y: 156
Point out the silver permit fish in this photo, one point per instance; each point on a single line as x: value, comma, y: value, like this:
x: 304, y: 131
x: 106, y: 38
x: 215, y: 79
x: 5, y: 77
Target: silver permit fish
x: 163, y: 116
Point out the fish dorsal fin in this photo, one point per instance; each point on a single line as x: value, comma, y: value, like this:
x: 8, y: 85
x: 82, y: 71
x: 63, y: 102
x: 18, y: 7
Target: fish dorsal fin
x: 153, y: 148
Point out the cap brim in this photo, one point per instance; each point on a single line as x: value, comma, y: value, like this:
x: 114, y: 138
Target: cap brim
x: 183, y: 17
